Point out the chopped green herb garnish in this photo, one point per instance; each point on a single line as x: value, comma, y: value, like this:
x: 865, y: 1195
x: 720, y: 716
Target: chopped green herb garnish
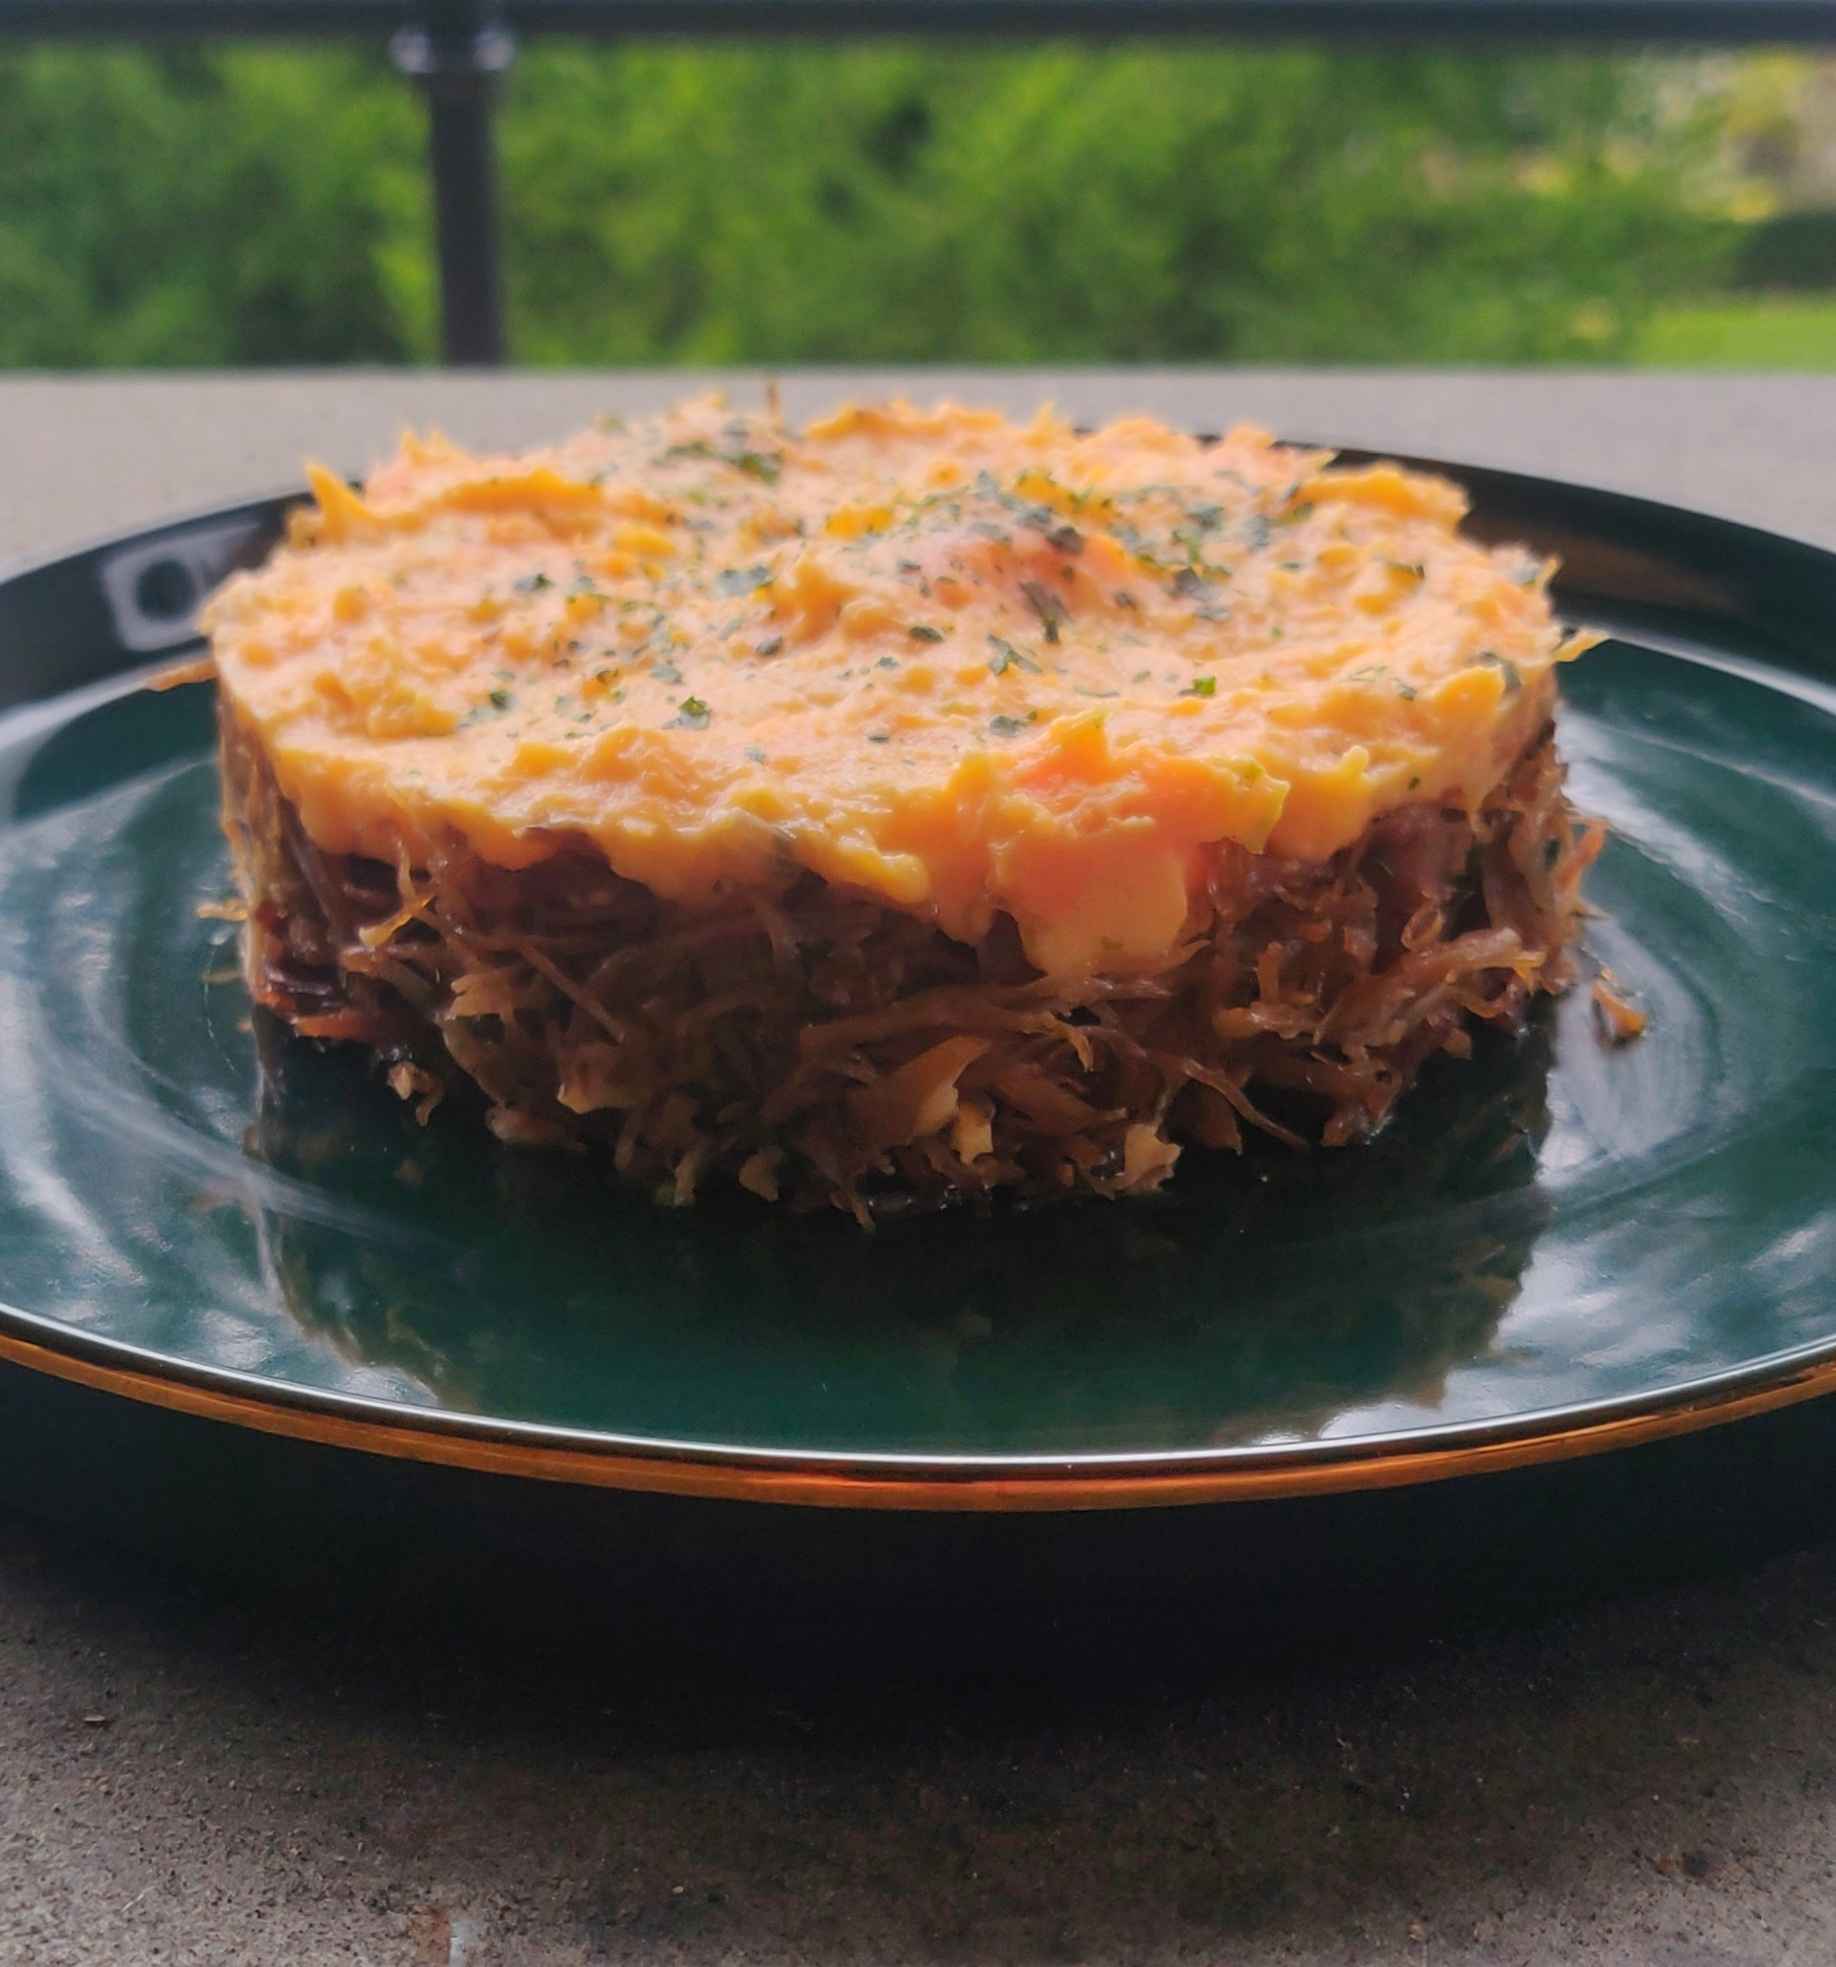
x: 1008, y: 727
x: 532, y: 584
x: 666, y: 672
x: 1512, y: 680
x: 1413, y: 568
x: 770, y: 646
x: 1123, y: 599
x: 1046, y: 605
x: 1084, y: 690
x: 924, y: 632
x: 1065, y: 539
x: 1256, y: 531
x: 501, y: 699
x: 756, y: 754
x: 741, y: 580
x: 765, y: 465
x: 1201, y: 686
x: 1379, y: 673
x: 879, y: 737
x: 887, y: 662
x: 1007, y: 657
x: 694, y: 715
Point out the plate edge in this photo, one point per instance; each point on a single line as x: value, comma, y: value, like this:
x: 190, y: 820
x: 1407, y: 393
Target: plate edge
x: 1056, y: 1488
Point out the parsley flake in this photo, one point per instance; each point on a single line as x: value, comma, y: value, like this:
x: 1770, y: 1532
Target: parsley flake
x: 1009, y: 727
x: 501, y: 700
x: 666, y: 672
x: 1379, y: 673
x: 741, y: 580
x: 1007, y: 657
x: 770, y: 646
x: 694, y: 716
x: 532, y: 584
x: 1046, y: 605
x: 763, y: 465
x: 879, y: 737
x: 1201, y: 686
x: 1512, y: 679
x: 924, y: 632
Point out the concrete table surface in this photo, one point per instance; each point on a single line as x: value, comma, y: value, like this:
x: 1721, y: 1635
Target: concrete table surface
x: 186, y: 1778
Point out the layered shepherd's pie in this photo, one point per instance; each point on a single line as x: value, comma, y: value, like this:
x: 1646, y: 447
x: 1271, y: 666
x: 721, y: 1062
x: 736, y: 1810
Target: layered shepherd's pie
x: 909, y: 807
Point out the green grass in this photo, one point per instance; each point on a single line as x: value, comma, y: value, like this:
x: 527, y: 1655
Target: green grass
x: 1757, y: 332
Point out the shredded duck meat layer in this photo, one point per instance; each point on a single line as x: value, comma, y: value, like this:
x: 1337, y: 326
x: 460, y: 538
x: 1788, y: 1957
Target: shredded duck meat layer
x: 823, y: 1049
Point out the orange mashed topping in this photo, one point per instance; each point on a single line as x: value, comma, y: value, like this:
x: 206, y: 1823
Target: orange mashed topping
x: 956, y: 663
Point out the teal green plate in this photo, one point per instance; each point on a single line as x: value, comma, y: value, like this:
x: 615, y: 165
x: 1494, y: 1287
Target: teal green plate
x: 1561, y: 1246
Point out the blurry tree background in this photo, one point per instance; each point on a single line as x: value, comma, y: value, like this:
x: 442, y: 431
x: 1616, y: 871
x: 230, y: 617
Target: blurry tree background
x: 233, y: 204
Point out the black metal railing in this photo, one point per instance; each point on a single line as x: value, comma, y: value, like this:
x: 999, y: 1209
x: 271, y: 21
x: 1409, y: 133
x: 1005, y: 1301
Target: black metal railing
x: 457, y: 52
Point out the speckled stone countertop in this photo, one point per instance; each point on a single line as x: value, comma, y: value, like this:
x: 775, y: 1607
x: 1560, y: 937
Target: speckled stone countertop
x: 190, y: 1777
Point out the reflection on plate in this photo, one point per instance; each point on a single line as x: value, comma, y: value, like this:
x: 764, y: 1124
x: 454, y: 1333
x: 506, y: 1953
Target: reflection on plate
x: 1120, y: 1322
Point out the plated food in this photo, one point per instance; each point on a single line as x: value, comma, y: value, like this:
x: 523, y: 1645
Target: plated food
x: 915, y: 806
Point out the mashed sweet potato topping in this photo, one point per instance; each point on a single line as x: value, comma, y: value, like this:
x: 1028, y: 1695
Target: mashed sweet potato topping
x: 959, y: 666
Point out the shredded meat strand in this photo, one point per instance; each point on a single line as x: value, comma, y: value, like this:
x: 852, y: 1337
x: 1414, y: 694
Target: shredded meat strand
x: 822, y: 1048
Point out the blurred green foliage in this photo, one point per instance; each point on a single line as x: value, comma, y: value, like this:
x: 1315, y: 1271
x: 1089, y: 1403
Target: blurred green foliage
x: 782, y: 203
